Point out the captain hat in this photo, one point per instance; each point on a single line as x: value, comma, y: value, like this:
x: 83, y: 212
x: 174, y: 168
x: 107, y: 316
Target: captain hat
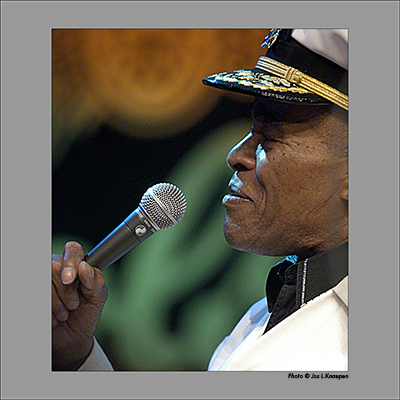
x: 303, y: 66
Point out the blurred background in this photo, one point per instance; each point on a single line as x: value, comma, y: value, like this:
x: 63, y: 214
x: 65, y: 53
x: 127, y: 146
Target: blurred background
x: 129, y: 110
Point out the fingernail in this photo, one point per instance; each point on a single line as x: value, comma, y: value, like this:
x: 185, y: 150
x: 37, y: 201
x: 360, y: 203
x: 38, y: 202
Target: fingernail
x: 88, y: 269
x: 67, y: 276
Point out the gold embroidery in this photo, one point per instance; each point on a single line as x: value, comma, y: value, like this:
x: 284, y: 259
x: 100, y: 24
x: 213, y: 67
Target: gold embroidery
x: 258, y: 81
x: 307, y: 82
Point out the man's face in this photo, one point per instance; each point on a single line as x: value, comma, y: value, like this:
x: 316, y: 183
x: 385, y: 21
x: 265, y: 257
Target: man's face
x: 289, y: 189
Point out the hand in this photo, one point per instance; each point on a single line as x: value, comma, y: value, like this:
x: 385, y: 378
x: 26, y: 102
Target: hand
x: 78, y: 297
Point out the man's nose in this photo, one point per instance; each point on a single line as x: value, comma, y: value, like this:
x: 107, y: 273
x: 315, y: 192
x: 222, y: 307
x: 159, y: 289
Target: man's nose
x: 242, y: 157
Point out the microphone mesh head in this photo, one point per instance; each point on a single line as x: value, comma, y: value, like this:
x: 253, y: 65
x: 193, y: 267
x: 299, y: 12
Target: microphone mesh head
x: 164, y: 204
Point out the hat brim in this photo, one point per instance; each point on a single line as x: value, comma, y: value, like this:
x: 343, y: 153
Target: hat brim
x: 256, y: 82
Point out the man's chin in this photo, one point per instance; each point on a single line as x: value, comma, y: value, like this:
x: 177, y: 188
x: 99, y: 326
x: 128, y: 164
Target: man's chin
x: 232, y: 235
x: 236, y: 237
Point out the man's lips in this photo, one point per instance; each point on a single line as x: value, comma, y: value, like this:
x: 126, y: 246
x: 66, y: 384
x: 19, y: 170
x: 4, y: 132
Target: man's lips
x: 236, y: 195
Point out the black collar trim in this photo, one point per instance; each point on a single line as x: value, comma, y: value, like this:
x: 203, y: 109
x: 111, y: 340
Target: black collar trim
x: 311, y: 277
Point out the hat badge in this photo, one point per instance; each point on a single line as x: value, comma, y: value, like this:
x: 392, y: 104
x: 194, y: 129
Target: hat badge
x: 269, y: 40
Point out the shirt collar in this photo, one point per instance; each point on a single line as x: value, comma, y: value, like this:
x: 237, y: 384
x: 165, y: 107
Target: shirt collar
x: 311, y: 277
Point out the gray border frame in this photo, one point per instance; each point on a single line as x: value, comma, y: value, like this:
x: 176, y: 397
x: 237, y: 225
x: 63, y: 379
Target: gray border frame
x: 26, y: 198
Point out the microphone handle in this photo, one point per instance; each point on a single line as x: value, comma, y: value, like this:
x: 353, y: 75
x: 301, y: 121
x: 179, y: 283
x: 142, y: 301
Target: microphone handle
x: 131, y: 232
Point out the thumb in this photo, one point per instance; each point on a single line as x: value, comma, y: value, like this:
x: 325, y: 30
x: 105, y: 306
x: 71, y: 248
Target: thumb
x: 92, y: 283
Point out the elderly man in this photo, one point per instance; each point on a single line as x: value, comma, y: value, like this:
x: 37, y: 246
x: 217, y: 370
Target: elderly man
x: 288, y: 197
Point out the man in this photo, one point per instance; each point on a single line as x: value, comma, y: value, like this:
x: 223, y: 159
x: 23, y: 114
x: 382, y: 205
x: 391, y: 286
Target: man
x: 288, y: 197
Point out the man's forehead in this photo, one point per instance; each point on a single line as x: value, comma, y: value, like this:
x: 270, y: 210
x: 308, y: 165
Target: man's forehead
x: 265, y: 109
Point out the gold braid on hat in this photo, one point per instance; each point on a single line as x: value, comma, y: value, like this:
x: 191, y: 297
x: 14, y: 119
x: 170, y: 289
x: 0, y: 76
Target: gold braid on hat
x: 307, y: 82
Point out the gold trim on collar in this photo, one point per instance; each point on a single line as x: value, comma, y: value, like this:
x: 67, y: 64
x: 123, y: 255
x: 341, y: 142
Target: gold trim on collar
x: 307, y: 82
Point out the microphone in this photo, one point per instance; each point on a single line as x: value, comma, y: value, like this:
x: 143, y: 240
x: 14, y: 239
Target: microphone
x: 162, y: 206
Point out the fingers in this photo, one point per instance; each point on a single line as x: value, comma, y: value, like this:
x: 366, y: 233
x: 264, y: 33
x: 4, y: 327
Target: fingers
x: 73, y: 255
x: 59, y: 311
x: 55, y: 257
x: 92, y: 283
x: 70, y: 273
x: 86, y: 275
x: 65, y: 296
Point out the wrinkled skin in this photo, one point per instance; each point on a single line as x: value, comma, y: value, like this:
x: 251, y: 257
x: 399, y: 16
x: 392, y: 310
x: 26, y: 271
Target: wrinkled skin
x: 76, y: 307
x: 289, y: 190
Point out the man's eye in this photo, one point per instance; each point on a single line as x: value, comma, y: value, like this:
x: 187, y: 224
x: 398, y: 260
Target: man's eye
x: 268, y: 141
x: 268, y: 138
x: 263, y: 135
x: 267, y: 146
